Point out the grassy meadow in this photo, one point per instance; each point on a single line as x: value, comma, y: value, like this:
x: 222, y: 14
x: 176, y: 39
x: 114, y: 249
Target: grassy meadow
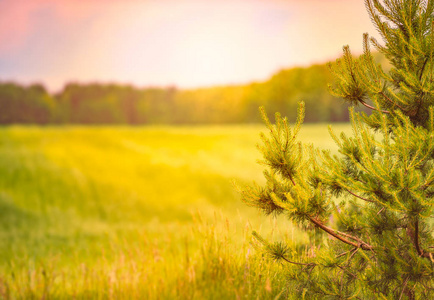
x: 136, y: 212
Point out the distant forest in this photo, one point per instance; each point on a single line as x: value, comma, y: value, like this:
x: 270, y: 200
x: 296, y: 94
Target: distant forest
x: 123, y: 104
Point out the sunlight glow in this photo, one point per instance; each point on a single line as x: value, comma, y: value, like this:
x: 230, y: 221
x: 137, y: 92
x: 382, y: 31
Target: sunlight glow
x: 185, y: 43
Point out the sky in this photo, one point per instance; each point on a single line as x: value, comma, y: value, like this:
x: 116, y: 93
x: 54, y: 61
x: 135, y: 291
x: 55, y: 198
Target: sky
x: 182, y: 43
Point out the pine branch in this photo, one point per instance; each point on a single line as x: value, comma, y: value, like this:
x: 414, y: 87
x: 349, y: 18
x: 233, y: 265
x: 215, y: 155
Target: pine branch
x: 390, y: 100
x: 420, y: 78
x: 346, y: 271
x: 338, y: 234
x: 423, y: 68
x: 414, y: 235
x: 352, y: 254
x: 300, y: 264
x: 371, y: 107
x: 292, y: 180
x: 404, y: 287
x: 344, y: 253
x: 416, y: 238
x: 364, y: 199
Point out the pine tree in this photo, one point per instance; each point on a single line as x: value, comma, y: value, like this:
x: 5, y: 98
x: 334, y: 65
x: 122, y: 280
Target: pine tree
x: 373, y: 201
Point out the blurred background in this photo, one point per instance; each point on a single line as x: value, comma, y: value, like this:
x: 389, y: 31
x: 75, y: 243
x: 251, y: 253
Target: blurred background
x: 172, y: 62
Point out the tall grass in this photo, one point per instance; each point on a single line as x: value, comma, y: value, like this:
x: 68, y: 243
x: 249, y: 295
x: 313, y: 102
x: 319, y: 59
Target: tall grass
x: 145, y: 212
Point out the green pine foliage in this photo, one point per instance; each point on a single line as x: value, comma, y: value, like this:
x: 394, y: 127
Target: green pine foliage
x: 370, y: 208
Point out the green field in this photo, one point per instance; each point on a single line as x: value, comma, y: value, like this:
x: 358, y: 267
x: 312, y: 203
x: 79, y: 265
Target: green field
x: 135, y: 212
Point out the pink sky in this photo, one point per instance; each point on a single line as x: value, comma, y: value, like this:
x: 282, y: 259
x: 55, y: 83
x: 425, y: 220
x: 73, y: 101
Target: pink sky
x: 172, y: 42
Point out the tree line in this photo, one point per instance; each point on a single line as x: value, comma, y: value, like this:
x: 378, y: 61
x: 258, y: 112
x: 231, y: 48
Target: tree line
x: 98, y: 103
